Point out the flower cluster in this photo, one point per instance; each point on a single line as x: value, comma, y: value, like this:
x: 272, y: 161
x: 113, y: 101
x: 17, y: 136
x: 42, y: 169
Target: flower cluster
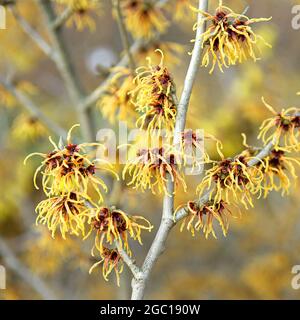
x: 67, y: 177
x: 234, y: 180
x: 202, y: 217
x: 154, y: 98
x: 111, y: 261
x: 71, y: 184
x: 229, y: 39
x: 82, y: 10
x: 279, y: 169
x: 116, y: 103
x: 112, y: 225
x: 148, y: 169
x: 282, y: 129
x: 143, y: 18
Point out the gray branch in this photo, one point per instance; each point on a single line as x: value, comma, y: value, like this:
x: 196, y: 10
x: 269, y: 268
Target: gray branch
x: 34, y: 110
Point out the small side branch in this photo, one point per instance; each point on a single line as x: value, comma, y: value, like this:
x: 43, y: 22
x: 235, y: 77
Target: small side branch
x: 34, y: 110
x: 135, y: 270
x: 124, y: 33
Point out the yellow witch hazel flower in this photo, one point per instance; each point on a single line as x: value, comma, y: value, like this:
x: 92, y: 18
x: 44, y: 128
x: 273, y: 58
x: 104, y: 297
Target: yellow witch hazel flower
x: 279, y: 169
x: 203, y: 217
x: 69, y: 169
x: 234, y: 181
x: 68, y: 213
x: 148, y: 169
x: 229, y: 39
x: 116, y: 103
x: 283, y: 128
x: 111, y: 224
x: 111, y: 261
x: 27, y: 128
x: 154, y: 98
x: 143, y: 18
x: 81, y: 15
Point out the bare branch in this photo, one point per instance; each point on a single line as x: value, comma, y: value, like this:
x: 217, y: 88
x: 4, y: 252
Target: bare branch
x: 128, y: 261
x: 60, y: 20
x: 34, y: 35
x: 63, y: 63
x: 124, y: 33
x: 34, y: 110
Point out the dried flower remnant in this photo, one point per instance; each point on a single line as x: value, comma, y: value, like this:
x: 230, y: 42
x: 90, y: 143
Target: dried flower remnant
x: 202, y: 217
x: 116, y: 103
x: 111, y: 224
x: 69, y: 169
x: 234, y: 181
x: 154, y: 98
x: 112, y: 261
x: 67, y: 213
x: 149, y: 168
x: 143, y: 18
x: 229, y: 39
x: 278, y: 169
x: 283, y: 128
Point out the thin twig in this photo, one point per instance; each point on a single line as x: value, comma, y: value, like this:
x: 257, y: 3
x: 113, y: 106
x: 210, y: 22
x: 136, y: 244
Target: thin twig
x: 124, y: 34
x: 65, y: 67
x: 60, y: 20
x: 33, y: 109
x: 128, y: 261
x: 34, y: 35
x: 30, y: 278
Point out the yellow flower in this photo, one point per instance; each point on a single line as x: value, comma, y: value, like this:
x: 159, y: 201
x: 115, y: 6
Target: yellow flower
x: 68, y: 169
x: 154, y: 98
x: 112, y: 261
x: 28, y: 128
x: 278, y: 169
x: 234, y: 181
x: 82, y: 10
x: 284, y: 126
x: 202, y: 217
x: 67, y: 213
x: 229, y: 39
x: 148, y: 169
x: 112, y: 225
x: 143, y: 18
x: 116, y: 103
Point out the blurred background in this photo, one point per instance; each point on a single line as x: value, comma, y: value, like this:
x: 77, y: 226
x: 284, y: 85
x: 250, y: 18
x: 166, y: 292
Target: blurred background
x: 256, y: 258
